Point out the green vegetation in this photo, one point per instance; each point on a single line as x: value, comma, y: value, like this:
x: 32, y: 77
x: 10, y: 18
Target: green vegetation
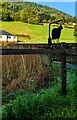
x: 45, y: 105
x: 27, y: 94
x: 29, y: 16
x: 30, y: 12
x: 75, y: 30
x: 36, y: 33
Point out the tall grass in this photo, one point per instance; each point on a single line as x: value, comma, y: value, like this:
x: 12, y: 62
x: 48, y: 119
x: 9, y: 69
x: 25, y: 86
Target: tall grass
x: 46, y: 104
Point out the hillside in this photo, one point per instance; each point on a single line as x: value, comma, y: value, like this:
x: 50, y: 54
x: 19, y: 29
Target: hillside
x: 20, y: 5
x: 36, y: 13
x: 16, y: 6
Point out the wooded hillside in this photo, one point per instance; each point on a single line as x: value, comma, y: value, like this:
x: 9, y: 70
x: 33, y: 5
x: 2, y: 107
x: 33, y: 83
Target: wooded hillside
x: 30, y: 12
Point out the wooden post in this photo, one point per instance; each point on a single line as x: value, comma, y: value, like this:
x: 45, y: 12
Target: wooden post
x: 63, y: 63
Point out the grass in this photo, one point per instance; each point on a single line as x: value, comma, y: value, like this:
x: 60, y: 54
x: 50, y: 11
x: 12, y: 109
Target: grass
x: 37, y: 33
x: 48, y: 104
x: 45, y: 105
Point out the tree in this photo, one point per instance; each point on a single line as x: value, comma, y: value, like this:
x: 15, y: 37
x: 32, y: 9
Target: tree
x: 16, y: 16
x: 75, y: 19
x: 24, y: 15
x: 5, y: 12
x: 33, y: 20
x: 44, y: 17
x: 29, y: 16
x: 52, y: 18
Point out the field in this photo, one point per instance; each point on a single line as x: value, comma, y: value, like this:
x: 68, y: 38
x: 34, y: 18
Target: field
x: 29, y: 33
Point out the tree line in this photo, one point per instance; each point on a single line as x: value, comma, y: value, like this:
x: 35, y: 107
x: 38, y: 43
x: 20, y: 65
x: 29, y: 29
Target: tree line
x: 29, y: 12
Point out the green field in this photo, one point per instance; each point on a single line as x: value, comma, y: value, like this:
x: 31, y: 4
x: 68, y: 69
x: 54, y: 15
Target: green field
x: 37, y: 33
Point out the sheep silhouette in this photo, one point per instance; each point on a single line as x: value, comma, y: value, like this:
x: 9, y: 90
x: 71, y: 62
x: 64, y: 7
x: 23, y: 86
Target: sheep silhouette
x: 56, y: 32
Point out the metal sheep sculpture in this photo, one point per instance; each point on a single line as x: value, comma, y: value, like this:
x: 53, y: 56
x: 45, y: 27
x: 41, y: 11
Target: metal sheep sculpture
x: 56, y: 32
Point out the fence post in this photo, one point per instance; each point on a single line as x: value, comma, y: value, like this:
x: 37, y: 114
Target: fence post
x: 63, y: 65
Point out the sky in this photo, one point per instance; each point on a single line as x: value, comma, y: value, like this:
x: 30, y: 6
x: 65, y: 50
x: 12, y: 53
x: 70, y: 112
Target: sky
x: 67, y: 6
